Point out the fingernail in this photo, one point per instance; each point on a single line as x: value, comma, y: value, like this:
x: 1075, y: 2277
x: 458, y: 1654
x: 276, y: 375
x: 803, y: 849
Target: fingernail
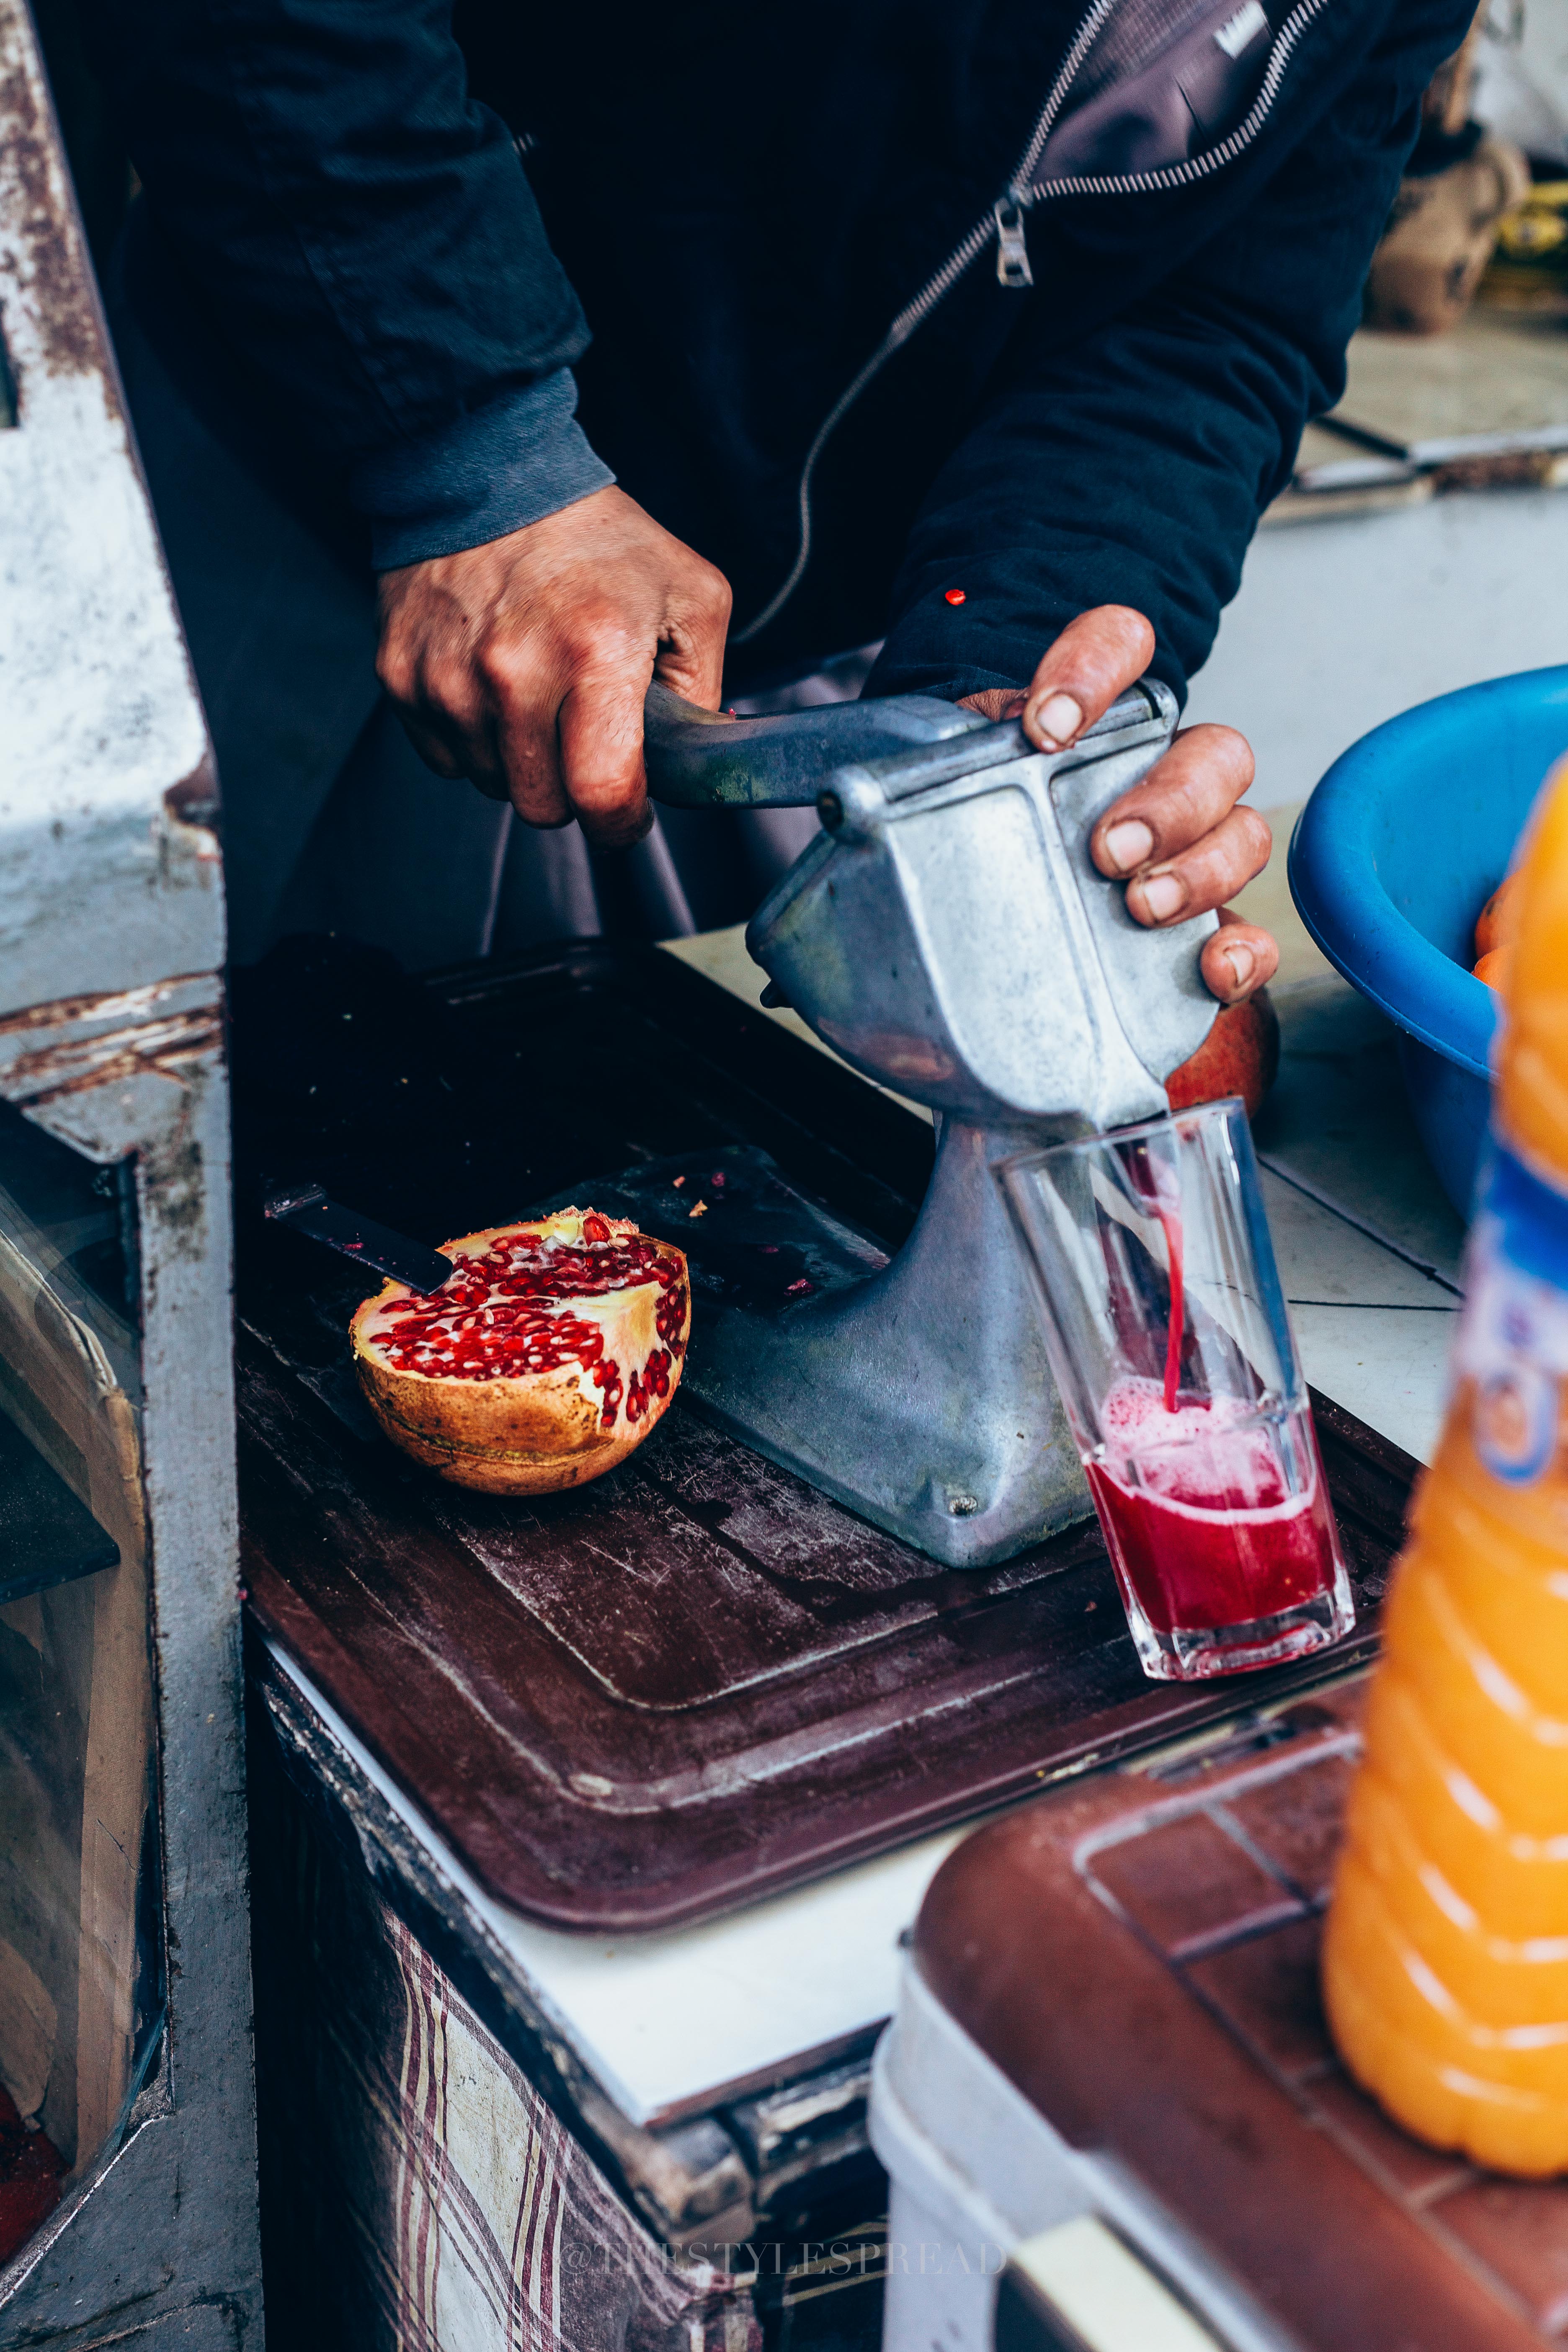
x: 1059, y: 719
x: 1129, y: 844
x: 1164, y: 895
x: 1241, y: 960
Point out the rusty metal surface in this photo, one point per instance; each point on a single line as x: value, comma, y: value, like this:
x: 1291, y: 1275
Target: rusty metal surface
x: 42, y: 251
x: 697, y: 1679
x: 1177, y: 1917
x: 80, y: 1044
x: 107, y: 795
x: 112, y: 936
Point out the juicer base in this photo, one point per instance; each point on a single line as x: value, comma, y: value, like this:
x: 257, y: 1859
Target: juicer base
x: 914, y: 1389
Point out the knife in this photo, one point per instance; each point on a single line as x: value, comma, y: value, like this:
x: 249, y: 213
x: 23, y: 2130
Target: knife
x: 306, y: 1209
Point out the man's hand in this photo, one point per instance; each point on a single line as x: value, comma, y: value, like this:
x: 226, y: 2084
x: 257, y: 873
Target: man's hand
x: 1178, y: 839
x: 523, y: 663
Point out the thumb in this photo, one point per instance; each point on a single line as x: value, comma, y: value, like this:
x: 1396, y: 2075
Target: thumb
x: 1096, y: 657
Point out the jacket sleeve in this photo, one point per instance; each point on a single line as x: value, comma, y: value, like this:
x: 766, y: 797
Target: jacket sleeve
x: 1132, y: 467
x: 365, y: 238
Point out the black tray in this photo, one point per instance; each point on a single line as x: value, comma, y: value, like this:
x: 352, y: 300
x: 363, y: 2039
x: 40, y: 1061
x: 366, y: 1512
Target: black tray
x: 697, y: 1680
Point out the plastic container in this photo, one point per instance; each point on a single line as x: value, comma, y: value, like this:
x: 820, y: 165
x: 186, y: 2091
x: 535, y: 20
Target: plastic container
x: 1108, y: 2110
x: 989, y: 2201
x: 1445, y: 1961
x: 1393, y: 859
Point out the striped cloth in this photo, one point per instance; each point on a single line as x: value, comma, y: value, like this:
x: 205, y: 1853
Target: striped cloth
x: 506, y: 2236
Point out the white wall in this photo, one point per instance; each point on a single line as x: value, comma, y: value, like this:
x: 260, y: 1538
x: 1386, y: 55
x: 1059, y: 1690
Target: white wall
x: 1544, y: 51
x: 1522, y: 78
x: 1340, y: 625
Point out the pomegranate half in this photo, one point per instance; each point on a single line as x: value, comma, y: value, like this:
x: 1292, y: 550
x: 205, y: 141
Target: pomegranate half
x: 542, y: 1361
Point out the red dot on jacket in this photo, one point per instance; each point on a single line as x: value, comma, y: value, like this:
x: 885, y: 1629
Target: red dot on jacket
x: 955, y: 595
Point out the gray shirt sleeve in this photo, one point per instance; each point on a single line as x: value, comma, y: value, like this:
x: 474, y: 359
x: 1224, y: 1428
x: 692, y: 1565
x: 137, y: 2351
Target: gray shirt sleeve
x: 515, y: 458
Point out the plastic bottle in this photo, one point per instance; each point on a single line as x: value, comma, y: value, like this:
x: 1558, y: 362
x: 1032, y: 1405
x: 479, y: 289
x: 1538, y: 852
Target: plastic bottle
x: 1446, y: 1958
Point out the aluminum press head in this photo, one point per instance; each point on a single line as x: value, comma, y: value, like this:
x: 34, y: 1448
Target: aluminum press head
x: 950, y: 936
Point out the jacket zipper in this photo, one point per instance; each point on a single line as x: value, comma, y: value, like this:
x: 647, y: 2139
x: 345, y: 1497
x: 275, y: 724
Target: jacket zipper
x: 1005, y: 222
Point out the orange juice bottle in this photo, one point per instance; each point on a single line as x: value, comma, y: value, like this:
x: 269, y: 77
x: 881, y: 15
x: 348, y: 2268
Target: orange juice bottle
x: 1445, y: 1959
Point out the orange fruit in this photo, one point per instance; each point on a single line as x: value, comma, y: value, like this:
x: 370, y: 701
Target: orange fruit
x: 1493, y: 966
x: 1498, y: 923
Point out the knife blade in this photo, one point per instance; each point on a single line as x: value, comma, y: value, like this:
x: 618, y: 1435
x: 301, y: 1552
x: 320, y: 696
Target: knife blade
x: 306, y: 1209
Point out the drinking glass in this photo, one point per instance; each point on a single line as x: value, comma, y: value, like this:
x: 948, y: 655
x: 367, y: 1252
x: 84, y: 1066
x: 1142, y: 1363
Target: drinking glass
x: 1168, y: 1336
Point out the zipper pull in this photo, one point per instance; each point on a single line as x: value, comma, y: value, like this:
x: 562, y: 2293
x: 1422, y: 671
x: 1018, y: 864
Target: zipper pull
x: 1012, y: 254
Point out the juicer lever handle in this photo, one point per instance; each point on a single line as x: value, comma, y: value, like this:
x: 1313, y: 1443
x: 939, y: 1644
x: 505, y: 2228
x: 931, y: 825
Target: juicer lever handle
x: 698, y: 759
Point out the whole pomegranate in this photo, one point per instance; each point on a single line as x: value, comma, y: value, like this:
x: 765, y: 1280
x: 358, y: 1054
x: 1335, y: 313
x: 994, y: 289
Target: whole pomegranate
x: 1239, y: 1056
x: 542, y: 1361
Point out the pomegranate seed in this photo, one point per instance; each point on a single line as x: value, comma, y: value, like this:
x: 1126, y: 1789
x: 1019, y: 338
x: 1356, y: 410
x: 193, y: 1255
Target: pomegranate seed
x: 509, y: 1316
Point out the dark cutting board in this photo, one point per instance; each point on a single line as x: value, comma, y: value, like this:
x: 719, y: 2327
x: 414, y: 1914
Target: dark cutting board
x: 695, y: 1681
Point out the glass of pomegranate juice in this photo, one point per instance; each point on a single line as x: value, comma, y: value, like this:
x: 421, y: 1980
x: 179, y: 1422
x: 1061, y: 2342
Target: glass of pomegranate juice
x: 1167, y: 1333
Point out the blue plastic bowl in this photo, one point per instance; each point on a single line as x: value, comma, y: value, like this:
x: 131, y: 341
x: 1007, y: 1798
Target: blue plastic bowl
x: 1393, y: 857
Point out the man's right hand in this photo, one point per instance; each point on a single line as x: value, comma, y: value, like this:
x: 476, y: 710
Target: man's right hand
x: 523, y: 663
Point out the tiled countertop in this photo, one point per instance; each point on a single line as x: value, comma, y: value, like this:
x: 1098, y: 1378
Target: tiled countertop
x: 1368, y: 1246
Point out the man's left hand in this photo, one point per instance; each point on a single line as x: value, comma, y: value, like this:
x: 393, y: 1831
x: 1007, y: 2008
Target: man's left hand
x: 1178, y: 840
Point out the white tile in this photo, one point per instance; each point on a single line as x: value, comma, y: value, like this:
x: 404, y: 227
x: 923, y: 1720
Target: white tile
x: 1326, y: 1262
x: 668, y: 2018
x: 1373, y: 1331
x: 1388, y: 1365
x: 1339, y: 1123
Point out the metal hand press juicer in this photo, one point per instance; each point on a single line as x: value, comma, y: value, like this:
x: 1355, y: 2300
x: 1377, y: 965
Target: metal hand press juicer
x: 948, y: 935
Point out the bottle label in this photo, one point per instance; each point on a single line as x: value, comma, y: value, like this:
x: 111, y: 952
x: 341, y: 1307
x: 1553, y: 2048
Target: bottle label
x: 1512, y: 1348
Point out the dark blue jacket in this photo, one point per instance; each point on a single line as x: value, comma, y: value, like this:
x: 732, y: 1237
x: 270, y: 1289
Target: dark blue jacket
x: 404, y: 229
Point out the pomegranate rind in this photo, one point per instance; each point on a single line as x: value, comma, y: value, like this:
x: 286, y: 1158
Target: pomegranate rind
x: 540, y: 1433
x: 1240, y: 1056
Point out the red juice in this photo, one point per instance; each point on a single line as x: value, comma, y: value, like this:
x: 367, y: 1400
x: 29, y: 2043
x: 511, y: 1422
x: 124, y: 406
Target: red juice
x: 1170, y: 1221
x: 1210, y: 1532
